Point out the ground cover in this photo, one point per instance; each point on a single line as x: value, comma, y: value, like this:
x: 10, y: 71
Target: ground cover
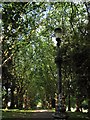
x: 38, y: 114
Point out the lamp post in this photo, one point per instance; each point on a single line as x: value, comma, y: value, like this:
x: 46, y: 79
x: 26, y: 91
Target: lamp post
x: 58, y: 59
x: 60, y: 109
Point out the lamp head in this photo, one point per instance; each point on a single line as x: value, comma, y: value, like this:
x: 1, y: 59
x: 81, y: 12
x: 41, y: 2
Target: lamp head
x: 58, y: 32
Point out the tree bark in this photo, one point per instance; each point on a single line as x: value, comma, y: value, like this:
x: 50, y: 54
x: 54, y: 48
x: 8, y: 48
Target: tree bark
x: 6, y: 96
x: 21, y: 101
x: 12, y: 98
x: 87, y: 4
x: 77, y: 105
x: 88, y: 91
x: 69, y: 103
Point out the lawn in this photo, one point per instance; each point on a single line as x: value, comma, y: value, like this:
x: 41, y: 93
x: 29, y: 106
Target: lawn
x: 78, y: 116
x: 27, y: 115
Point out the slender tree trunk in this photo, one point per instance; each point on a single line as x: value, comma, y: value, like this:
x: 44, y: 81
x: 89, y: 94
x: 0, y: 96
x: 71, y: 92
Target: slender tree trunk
x: 77, y: 105
x: 20, y: 101
x: 12, y: 98
x: 12, y: 94
x: 16, y: 101
x: 89, y: 101
x: 89, y: 106
x: 88, y: 92
x: 6, y: 96
x: 69, y: 103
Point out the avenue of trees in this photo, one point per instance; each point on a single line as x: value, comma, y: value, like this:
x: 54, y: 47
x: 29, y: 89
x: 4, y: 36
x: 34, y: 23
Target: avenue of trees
x: 29, y: 73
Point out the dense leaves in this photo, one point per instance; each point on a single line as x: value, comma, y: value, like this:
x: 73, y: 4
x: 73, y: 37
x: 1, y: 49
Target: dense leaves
x: 29, y: 51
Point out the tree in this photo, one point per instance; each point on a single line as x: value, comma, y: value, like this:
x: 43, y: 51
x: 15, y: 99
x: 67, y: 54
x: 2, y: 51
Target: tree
x: 29, y: 52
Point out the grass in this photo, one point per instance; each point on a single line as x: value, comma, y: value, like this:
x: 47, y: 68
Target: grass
x: 78, y: 116
x: 16, y: 114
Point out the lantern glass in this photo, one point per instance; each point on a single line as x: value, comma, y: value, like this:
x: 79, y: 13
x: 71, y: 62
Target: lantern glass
x: 58, y: 32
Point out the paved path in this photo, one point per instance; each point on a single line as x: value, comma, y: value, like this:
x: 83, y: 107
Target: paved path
x: 42, y: 115
x: 37, y: 115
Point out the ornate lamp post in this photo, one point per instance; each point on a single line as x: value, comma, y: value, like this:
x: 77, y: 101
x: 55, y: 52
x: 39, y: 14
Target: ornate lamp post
x: 60, y: 110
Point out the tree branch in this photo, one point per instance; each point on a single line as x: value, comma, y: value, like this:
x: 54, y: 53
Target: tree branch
x: 7, y: 60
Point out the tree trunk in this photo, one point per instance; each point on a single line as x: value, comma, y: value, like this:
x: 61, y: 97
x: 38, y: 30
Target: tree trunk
x: 88, y: 91
x: 12, y: 98
x: 77, y: 105
x: 87, y: 4
x: 89, y: 107
x: 6, y: 96
x: 21, y: 101
x: 69, y: 103
x: 12, y: 94
x: 16, y: 102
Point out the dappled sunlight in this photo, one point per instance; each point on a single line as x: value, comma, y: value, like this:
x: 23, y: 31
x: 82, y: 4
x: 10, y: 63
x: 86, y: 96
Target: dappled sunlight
x: 44, y: 72
x: 74, y: 109
x: 42, y: 111
x: 41, y: 114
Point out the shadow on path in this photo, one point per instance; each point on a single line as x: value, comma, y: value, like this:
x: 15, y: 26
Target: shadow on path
x: 37, y: 115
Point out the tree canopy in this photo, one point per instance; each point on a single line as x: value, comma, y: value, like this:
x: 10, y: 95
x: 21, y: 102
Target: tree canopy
x: 28, y: 55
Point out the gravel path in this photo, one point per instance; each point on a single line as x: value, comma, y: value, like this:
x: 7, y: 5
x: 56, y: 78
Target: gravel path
x: 37, y: 115
x: 42, y: 115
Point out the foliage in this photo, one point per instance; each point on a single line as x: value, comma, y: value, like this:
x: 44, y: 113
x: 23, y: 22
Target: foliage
x: 28, y: 52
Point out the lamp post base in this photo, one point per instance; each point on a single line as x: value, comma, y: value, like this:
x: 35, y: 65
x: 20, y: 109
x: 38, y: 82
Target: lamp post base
x: 60, y: 112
